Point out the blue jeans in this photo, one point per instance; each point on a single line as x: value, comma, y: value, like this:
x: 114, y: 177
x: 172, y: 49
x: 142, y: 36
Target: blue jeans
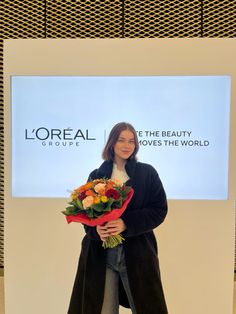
x: 115, y: 268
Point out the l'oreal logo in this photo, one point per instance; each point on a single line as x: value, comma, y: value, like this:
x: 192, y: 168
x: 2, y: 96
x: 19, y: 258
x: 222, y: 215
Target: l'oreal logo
x: 68, y: 134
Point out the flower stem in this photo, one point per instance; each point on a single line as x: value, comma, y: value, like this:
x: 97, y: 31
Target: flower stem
x: 112, y: 241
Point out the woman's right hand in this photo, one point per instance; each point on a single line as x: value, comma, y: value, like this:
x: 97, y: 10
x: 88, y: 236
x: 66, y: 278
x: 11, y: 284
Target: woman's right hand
x: 102, y: 232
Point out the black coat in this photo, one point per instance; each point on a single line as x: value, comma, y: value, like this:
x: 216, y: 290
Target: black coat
x: 145, y: 212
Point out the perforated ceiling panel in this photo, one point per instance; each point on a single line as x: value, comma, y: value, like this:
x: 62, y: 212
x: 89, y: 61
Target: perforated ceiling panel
x: 110, y: 19
x: 84, y: 19
x: 162, y: 18
x: 24, y: 19
x: 219, y: 18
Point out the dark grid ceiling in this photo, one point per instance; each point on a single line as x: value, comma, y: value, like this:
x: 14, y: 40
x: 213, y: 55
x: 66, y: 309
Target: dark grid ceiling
x: 117, y: 18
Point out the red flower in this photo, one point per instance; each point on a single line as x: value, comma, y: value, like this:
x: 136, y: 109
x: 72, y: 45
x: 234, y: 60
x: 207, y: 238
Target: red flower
x: 82, y: 195
x: 112, y: 193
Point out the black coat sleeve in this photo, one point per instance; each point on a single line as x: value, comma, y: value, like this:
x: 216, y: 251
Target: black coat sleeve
x: 145, y: 219
x: 92, y: 233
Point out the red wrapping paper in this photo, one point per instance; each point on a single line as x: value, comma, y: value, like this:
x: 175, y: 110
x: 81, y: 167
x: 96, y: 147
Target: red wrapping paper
x: 112, y: 215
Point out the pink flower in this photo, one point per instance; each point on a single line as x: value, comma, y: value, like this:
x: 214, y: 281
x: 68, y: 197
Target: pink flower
x: 87, y: 202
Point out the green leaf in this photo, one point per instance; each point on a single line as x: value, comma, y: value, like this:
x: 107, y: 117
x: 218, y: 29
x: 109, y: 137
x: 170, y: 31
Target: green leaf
x: 109, y: 204
x: 118, y: 203
x: 70, y: 211
x: 98, y: 207
x: 89, y: 213
x: 70, y: 208
x: 79, y: 204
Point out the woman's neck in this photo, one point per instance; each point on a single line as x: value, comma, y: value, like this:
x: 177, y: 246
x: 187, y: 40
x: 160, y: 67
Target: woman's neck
x: 120, y: 163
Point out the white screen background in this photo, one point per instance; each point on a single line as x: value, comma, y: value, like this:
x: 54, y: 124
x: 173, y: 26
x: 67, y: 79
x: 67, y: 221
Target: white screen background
x: 182, y: 123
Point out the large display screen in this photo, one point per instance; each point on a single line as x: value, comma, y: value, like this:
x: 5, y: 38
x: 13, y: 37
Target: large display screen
x: 60, y: 125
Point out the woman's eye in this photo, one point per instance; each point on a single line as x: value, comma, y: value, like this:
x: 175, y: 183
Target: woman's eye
x: 124, y: 141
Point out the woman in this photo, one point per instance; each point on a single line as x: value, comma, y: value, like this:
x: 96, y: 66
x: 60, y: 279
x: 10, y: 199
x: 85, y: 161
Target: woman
x: 129, y: 273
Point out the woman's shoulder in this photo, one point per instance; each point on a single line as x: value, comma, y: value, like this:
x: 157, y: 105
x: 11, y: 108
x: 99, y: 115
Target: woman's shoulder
x: 148, y: 173
x: 92, y: 175
x: 104, y: 170
x: 145, y: 167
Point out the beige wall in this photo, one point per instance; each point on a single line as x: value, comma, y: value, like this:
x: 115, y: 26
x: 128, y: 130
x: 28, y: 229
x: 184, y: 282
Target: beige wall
x: 196, y: 243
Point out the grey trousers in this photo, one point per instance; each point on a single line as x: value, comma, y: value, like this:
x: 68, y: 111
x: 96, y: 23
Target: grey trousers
x: 115, y: 268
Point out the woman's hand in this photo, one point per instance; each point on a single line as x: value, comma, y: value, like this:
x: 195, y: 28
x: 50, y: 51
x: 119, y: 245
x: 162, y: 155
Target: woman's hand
x: 102, y: 232
x: 112, y: 227
x: 115, y: 227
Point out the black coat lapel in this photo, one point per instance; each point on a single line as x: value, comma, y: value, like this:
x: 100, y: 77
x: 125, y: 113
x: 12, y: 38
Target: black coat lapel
x: 130, y: 169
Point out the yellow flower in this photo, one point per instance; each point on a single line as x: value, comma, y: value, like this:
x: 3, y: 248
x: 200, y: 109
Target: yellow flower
x: 74, y: 196
x: 96, y: 200
x: 104, y: 199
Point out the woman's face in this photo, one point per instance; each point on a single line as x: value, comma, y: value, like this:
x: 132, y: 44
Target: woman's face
x: 125, y: 145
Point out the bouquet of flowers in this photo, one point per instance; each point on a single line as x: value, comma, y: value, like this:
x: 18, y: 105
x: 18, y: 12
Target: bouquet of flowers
x: 98, y: 202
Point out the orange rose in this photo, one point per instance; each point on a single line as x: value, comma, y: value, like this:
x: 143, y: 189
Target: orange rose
x: 110, y: 185
x: 90, y: 192
x: 87, y: 202
x: 100, y: 188
x: 88, y: 185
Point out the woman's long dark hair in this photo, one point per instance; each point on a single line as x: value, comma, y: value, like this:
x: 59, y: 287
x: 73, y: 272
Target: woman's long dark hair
x: 108, y: 151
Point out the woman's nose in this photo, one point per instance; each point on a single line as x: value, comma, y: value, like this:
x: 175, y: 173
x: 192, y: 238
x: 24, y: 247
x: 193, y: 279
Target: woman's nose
x: 127, y: 144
